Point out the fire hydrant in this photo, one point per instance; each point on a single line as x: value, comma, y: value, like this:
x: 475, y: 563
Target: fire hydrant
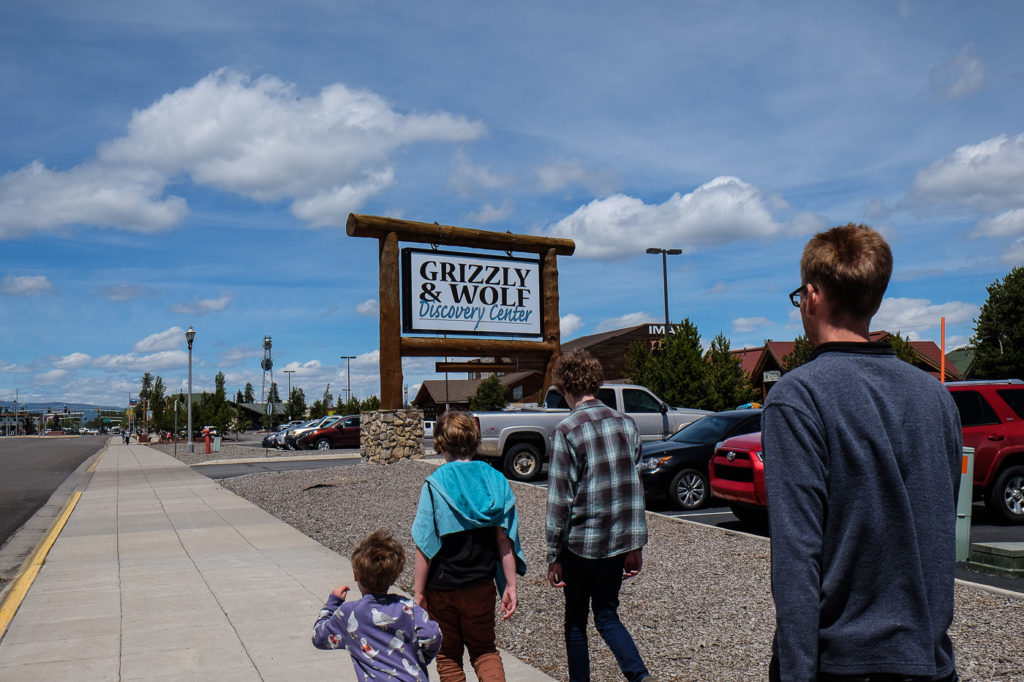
x: 206, y: 433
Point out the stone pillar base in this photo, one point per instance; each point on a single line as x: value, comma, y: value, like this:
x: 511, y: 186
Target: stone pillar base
x: 386, y: 436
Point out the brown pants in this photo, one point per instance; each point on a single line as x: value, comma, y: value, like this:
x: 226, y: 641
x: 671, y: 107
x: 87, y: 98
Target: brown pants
x: 466, y: 618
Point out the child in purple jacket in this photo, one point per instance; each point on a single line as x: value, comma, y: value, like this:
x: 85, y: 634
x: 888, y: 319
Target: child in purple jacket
x: 384, y: 633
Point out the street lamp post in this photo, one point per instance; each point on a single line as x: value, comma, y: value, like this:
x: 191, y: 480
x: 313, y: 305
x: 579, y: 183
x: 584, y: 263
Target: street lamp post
x: 190, y: 336
x: 289, y: 372
x: 348, y: 374
x: 664, y: 276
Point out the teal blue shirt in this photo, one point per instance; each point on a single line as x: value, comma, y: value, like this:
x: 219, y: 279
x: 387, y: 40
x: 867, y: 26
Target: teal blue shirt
x: 462, y: 496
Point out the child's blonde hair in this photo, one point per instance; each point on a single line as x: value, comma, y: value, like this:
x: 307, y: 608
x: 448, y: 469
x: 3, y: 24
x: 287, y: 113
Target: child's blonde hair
x: 457, y: 435
x: 377, y: 561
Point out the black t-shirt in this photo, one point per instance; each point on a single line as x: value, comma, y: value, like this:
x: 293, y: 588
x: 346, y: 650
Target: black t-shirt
x: 466, y: 558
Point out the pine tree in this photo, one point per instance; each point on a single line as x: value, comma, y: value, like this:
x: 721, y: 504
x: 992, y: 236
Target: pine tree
x: 158, y: 405
x: 901, y: 345
x: 296, y: 405
x: 801, y: 354
x: 730, y: 385
x: 371, y: 404
x: 249, y: 396
x: 675, y: 370
x: 999, y: 330
x: 490, y: 395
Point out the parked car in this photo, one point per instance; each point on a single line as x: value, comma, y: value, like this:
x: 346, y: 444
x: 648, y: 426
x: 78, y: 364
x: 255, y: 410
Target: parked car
x: 343, y: 433
x: 291, y: 437
x: 520, y: 440
x: 992, y: 419
x: 736, y: 475
x: 676, y: 469
x: 280, y: 436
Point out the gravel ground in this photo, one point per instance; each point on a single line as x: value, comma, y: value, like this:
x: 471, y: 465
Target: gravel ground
x: 700, y: 610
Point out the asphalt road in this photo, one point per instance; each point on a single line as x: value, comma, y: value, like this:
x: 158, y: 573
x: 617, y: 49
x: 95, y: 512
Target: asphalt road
x: 32, y: 468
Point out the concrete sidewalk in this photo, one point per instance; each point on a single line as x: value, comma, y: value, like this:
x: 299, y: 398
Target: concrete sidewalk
x: 160, y: 573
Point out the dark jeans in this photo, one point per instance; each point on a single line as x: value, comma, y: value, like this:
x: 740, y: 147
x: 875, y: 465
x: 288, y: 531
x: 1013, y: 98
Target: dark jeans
x: 595, y: 583
x: 882, y: 677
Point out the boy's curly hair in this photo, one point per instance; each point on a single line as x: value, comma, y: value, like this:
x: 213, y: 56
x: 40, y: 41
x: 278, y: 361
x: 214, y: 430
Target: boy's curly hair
x: 578, y: 373
x: 377, y: 561
x: 456, y: 434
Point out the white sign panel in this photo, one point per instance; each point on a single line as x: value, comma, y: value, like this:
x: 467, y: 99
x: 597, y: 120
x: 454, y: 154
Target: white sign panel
x: 461, y: 293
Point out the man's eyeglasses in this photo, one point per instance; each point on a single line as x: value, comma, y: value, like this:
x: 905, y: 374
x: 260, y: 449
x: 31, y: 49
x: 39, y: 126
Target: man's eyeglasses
x: 796, y: 295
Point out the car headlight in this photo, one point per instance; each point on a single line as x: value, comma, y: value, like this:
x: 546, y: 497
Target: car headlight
x: 651, y: 463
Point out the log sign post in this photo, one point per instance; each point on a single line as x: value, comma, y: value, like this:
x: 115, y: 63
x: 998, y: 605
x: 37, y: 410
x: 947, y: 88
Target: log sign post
x: 468, y: 294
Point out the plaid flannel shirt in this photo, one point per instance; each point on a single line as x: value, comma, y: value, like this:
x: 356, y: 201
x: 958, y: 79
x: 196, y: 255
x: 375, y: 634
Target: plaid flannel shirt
x: 595, y: 498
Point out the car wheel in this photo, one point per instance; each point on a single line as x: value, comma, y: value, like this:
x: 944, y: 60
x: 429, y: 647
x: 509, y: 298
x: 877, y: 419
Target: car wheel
x: 1007, y: 497
x: 522, y: 462
x: 688, y: 490
x: 323, y: 444
x: 751, y: 516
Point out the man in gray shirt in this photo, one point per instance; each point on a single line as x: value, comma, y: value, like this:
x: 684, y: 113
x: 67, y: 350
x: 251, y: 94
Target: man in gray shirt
x: 862, y: 469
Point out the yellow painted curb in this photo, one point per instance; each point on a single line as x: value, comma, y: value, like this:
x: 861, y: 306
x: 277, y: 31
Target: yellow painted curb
x: 92, y: 467
x: 20, y: 586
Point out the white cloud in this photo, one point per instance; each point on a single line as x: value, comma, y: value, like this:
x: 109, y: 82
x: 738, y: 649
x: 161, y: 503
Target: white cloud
x: 257, y: 138
x: 331, y: 208
x: 1005, y: 224
x: 11, y: 368
x: 911, y: 316
x: 1014, y: 255
x: 168, y: 359
x: 238, y: 354
x: 202, y: 306
x: 124, y: 292
x: 261, y: 139
x: 26, y: 286
x: 962, y: 75
x: 73, y: 361
x: 51, y: 377
x: 988, y: 176
x: 369, y: 308
x: 569, y: 324
x: 721, y: 211
x: 490, y: 214
x: 627, y: 320
x: 37, y: 198
x: 743, y: 325
x: 170, y: 339
x: 560, y: 174
x: 466, y: 178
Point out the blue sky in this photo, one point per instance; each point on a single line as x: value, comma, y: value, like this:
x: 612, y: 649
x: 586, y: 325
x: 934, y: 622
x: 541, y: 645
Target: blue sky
x: 168, y: 164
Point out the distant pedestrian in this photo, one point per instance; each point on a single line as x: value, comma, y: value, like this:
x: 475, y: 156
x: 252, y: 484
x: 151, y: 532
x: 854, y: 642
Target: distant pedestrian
x: 385, y: 634
x: 596, y: 523
x: 467, y: 539
x: 862, y: 468
x: 126, y: 434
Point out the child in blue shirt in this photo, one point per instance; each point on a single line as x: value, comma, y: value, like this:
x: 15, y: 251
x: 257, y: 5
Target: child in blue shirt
x: 387, y: 635
x: 467, y: 539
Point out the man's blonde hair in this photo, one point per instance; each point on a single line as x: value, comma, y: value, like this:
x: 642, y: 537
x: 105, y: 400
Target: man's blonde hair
x: 852, y: 265
x: 456, y: 434
x: 377, y: 561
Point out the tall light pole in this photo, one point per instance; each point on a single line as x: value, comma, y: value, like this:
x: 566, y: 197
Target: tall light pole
x: 348, y: 374
x: 289, y: 372
x: 664, y: 276
x: 190, y: 336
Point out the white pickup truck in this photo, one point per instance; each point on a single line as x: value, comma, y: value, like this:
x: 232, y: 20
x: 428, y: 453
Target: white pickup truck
x: 521, y: 439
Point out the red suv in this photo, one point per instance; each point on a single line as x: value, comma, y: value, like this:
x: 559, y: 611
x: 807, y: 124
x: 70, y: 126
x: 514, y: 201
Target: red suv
x: 736, y: 475
x: 992, y: 417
